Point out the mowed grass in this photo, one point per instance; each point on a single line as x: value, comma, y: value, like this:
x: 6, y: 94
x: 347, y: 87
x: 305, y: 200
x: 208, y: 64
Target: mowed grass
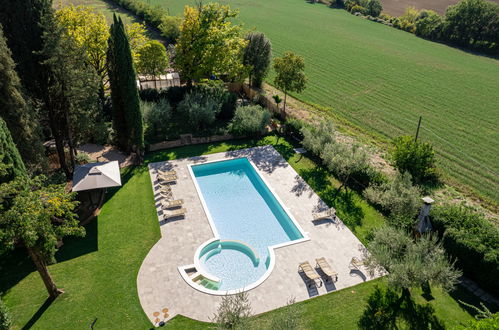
x: 382, y: 79
x: 99, y: 272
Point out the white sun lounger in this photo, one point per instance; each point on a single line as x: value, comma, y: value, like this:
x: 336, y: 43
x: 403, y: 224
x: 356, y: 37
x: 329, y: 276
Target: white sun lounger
x: 171, y: 203
x: 326, y: 269
x: 310, y: 273
x: 174, y: 213
x: 327, y: 214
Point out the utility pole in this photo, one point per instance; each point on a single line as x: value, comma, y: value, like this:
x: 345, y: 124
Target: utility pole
x: 417, y: 131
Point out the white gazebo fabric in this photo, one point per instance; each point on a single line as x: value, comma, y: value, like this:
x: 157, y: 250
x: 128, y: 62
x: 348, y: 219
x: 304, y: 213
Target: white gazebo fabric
x: 96, y: 176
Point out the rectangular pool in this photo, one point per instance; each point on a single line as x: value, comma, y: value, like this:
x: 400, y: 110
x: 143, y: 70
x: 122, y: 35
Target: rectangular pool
x: 241, y: 207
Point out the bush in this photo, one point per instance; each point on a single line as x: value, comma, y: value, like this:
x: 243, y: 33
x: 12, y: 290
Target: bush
x: 347, y: 161
x: 170, y: 28
x: 398, y: 198
x: 417, y: 158
x: 358, y: 9
x: 470, y: 238
x: 250, y: 120
x: 149, y: 95
x: 174, y: 94
x: 201, y: 108
x: 82, y: 158
x: 373, y: 7
x: 233, y: 312
x: 294, y: 127
x: 429, y: 25
x: 156, y: 116
x: 5, y: 320
x: 228, y: 106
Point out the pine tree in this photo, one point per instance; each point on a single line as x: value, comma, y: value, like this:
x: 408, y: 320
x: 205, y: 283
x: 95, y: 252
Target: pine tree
x: 11, y: 164
x: 127, y: 117
x: 17, y: 113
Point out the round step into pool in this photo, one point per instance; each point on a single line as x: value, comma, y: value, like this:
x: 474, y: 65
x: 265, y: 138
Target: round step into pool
x: 235, y: 263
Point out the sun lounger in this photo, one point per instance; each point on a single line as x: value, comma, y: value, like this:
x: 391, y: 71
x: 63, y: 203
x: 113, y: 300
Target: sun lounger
x: 329, y: 213
x: 174, y: 213
x: 167, y: 178
x: 171, y: 203
x: 160, y: 172
x: 326, y: 269
x: 310, y: 273
x: 356, y: 263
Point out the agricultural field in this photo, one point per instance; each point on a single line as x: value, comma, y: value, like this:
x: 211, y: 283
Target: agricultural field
x: 102, y: 6
x: 382, y: 79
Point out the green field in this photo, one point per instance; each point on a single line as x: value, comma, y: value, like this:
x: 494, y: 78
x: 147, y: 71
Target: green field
x: 382, y: 79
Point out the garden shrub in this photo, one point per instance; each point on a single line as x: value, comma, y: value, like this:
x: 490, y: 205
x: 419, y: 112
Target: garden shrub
x: 233, y: 311
x: 348, y: 162
x: 397, y: 198
x: 228, y: 106
x: 170, y: 28
x: 470, y: 238
x: 174, y: 94
x: 417, y: 158
x: 373, y: 7
x: 358, y: 9
x: 200, y: 107
x: 5, y: 320
x: 82, y: 158
x: 250, y: 120
x: 156, y: 118
x: 149, y: 95
x: 294, y: 127
x: 429, y: 25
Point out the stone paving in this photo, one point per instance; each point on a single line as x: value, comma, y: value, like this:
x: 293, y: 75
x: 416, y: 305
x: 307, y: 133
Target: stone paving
x: 160, y: 284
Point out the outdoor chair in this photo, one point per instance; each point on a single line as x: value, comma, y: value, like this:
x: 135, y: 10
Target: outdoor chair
x: 310, y: 273
x: 356, y: 263
x: 166, y: 178
x: 166, y: 173
x: 171, y: 203
x: 326, y: 269
x: 327, y: 214
x: 174, y: 213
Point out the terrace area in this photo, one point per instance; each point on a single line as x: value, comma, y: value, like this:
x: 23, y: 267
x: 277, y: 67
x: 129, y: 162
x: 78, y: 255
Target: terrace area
x: 160, y: 285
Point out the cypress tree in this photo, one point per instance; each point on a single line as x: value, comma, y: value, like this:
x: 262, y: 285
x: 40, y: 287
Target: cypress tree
x: 11, y: 163
x: 127, y: 117
x: 23, y: 30
x: 17, y: 113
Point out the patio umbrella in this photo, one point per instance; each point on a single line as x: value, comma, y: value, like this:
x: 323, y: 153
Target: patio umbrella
x: 96, y: 176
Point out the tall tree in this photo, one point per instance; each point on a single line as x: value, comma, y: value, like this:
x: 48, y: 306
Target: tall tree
x: 209, y: 44
x: 289, y: 75
x: 71, y: 98
x: 22, y: 26
x: 11, y: 164
x: 410, y: 263
x: 153, y: 59
x: 127, y: 117
x: 16, y: 112
x: 37, y: 216
x: 257, y: 56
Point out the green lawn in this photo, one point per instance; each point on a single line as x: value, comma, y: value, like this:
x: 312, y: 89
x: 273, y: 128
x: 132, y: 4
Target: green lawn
x: 382, y: 79
x: 99, y: 272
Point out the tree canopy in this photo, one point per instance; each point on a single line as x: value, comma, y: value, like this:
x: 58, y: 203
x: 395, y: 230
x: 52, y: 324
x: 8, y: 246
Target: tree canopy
x: 257, y: 56
x: 410, y: 263
x: 17, y: 111
x: 289, y: 74
x: 37, y: 215
x: 152, y: 58
x: 209, y: 44
x: 11, y: 164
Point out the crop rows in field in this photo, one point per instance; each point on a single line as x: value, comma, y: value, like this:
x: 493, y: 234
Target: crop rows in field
x: 383, y: 79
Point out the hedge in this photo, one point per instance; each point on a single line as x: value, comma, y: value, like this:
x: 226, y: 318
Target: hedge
x: 472, y: 240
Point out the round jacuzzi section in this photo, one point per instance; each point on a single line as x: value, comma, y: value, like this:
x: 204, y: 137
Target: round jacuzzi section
x: 234, y: 264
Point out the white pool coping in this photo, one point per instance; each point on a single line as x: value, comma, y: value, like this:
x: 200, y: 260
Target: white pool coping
x: 197, y: 262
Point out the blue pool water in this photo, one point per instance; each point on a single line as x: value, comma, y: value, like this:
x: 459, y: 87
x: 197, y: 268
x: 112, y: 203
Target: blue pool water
x: 243, y: 209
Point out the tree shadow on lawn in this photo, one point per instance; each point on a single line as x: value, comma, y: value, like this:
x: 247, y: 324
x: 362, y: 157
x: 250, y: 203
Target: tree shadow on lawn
x: 318, y: 178
x: 75, y: 247
x: 460, y: 293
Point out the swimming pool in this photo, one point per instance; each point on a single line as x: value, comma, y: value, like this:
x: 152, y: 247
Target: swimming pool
x: 248, y: 222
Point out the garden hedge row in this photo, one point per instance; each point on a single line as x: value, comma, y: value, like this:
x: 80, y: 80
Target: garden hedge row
x: 473, y: 241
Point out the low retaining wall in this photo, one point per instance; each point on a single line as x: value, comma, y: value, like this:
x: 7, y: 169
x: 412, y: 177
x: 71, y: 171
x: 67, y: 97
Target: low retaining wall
x: 188, y: 139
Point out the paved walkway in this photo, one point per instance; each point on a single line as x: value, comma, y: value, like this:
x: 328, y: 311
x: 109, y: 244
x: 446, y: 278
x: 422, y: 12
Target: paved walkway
x: 160, y: 284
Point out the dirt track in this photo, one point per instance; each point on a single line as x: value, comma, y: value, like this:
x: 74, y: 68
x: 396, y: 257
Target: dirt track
x: 397, y: 7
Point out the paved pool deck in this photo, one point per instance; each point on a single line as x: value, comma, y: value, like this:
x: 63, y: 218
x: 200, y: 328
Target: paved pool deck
x: 160, y: 284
